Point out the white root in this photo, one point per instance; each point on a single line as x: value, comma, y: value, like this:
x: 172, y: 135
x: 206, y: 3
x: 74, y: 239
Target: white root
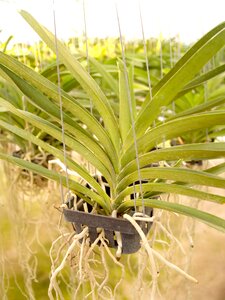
x: 116, y: 262
x: 100, y: 236
x: 139, y: 283
x: 171, y: 237
x: 144, y: 219
x: 61, y: 266
x: 59, y: 251
x: 150, y: 250
x: 106, y: 270
x: 63, y: 167
x: 81, y: 259
x: 174, y: 267
x: 118, y: 238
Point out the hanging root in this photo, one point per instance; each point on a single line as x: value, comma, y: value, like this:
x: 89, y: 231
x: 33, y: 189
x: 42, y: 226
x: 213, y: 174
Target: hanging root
x: 171, y: 237
x: 106, y: 270
x: 53, y: 284
x: 151, y: 251
x: 98, y: 281
x: 116, y: 262
x: 118, y: 238
x: 60, y: 249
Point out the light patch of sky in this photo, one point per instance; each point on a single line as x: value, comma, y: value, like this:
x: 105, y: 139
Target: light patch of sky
x: 190, y: 19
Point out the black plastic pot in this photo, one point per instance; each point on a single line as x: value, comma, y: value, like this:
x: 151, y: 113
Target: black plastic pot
x: 129, y: 235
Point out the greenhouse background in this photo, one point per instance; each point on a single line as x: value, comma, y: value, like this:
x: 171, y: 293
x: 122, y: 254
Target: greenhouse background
x: 129, y: 49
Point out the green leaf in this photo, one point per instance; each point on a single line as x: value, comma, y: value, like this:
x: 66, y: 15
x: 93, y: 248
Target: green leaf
x: 159, y: 188
x: 71, y: 164
x: 54, y: 131
x: 51, y: 90
x: 203, y: 151
x: 218, y: 169
x: 73, y: 127
x: 172, y: 129
x: 175, y: 174
x: 179, y: 76
x: 82, y: 76
x: 200, y: 80
x: 112, y: 83
x: 211, y: 103
x: 74, y: 186
x: 204, y: 217
x: 124, y: 101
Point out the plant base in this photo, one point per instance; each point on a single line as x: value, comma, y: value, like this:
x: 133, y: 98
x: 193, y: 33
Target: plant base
x: 129, y: 235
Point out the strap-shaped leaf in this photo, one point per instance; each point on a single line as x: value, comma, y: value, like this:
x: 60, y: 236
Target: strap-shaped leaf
x: 41, y: 101
x: 211, y: 103
x: 159, y: 188
x: 69, y: 103
x: 112, y: 83
x: 70, y: 125
x: 71, y: 164
x: 200, y: 80
x: 189, y: 152
x: 172, y: 129
x: 90, y: 196
x: 125, y: 101
x: 192, y: 177
x: 82, y: 76
x: 54, y: 131
x: 204, y: 217
x: 179, y: 76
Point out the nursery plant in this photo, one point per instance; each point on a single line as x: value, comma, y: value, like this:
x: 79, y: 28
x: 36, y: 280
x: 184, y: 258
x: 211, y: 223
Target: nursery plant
x: 128, y: 148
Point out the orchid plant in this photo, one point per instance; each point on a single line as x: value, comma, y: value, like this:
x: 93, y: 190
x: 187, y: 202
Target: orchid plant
x: 128, y: 146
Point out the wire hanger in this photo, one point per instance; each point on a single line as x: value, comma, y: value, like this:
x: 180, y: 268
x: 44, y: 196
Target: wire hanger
x: 69, y: 198
x: 131, y: 115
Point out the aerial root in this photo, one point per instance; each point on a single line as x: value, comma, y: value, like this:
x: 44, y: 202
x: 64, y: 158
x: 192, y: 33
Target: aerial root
x: 97, y: 281
x: 171, y: 237
x: 151, y: 251
x: 53, y: 284
x: 60, y: 249
x: 118, y: 238
x: 154, y: 272
x: 116, y: 262
x: 103, y: 284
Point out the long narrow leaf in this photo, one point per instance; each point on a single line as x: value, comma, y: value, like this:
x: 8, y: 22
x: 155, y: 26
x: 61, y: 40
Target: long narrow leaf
x: 71, y: 164
x: 190, y: 152
x: 74, y: 186
x: 51, y: 129
x: 179, y: 76
x: 172, y: 129
x: 168, y: 188
x: 51, y: 90
x: 175, y: 174
x: 125, y: 101
x: 112, y: 83
x: 69, y: 124
x: 200, y: 80
x: 211, y: 103
x: 204, y: 217
x: 82, y: 76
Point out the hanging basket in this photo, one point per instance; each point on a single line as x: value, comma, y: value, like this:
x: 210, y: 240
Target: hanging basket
x: 129, y: 235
